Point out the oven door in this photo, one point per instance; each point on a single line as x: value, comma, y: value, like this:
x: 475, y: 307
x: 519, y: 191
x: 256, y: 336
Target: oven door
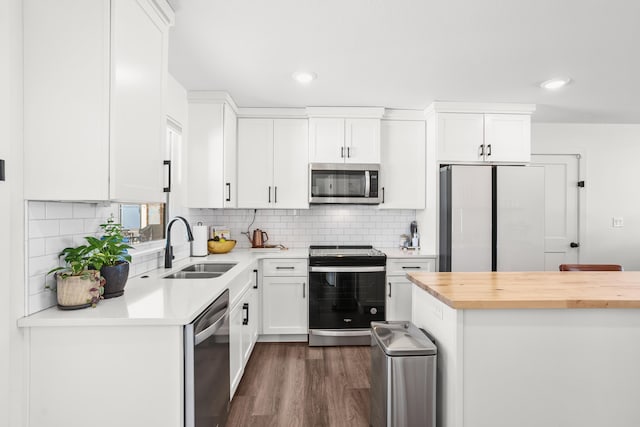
x: 346, y: 297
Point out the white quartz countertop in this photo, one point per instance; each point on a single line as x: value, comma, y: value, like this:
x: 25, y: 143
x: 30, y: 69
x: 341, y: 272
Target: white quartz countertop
x: 151, y: 300
x: 406, y: 253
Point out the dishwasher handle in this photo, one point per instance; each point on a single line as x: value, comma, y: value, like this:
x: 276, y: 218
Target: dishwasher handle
x: 210, y: 330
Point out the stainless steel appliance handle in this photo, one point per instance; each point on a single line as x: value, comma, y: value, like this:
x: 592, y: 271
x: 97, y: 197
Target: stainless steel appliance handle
x: 367, y: 183
x: 340, y: 333
x: 345, y: 269
x: 211, y: 329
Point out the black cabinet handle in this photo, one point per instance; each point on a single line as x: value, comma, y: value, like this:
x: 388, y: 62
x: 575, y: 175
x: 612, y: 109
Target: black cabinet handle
x: 411, y: 268
x: 349, y: 152
x: 342, y: 152
x: 574, y: 245
x: 245, y: 308
x: 167, y: 189
x: 284, y: 268
x: 389, y: 289
x: 382, y: 194
x: 228, y: 184
x: 1, y: 169
x: 255, y: 285
x: 275, y: 194
x: 269, y: 194
x: 481, y: 148
x: 304, y: 289
x: 489, y: 150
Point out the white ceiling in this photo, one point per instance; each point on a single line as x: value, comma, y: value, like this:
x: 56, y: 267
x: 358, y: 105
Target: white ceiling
x: 408, y: 53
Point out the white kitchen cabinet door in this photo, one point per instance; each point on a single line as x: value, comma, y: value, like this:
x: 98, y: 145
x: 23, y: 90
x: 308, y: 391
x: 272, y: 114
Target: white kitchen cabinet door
x: 255, y: 164
x: 230, y: 138
x: 138, y: 79
x: 235, y: 346
x: 460, y: 137
x: 507, y: 137
x: 326, y: 140
x: 398, y: 298
x: 250, y: 324
x: 94, y: 85
x: 403, y: 164
x: 212, y: 155
x: 362, y: 141
x: 284, y: 305
x: 290, y: 165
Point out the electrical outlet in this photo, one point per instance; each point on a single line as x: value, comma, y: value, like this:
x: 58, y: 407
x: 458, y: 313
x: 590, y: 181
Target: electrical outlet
x: 618, y: 222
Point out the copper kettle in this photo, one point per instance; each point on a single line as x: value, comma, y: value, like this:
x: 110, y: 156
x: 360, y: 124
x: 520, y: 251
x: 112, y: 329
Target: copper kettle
x: 259, y: 238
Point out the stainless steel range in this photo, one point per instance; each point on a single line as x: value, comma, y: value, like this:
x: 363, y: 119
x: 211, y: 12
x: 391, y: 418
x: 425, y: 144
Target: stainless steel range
x: 346, y: 294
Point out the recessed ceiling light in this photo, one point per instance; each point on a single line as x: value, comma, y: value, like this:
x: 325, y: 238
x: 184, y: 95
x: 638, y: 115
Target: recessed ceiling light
x: 556, y: 83
x: 304, y: 77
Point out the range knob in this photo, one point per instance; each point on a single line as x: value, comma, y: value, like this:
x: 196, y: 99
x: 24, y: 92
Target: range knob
x: 373, y: 310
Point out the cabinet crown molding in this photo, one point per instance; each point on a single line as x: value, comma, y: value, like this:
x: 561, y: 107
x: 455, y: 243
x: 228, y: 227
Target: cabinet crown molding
x: 211, y: 96
x: 471, y: 107
x: 272, y: 113
x: 346, y: 112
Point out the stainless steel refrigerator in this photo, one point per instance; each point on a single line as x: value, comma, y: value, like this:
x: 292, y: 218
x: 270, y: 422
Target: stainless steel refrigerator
x: 492, y: 218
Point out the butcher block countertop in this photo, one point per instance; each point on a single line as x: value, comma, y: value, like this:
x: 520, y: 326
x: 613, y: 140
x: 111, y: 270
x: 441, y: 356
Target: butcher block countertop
x: 550, y: 289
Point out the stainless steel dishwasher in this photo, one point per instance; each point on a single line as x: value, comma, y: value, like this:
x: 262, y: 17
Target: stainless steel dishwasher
x: 206, y: 366
x: 403, y: 376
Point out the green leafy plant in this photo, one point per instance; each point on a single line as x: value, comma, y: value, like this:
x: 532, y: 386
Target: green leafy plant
x: 110, y: 249
x: 77, y: 261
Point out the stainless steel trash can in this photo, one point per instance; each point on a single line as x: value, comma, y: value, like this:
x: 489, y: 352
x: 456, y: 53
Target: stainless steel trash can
x: 403, y: 376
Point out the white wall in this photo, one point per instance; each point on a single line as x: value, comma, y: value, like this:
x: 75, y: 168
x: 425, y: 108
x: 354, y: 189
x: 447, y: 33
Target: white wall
x: 611, y: 172
x: 12, y: 383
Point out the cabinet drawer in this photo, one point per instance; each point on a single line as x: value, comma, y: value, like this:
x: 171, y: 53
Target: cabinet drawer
x: 284, y: 267
x: 401, y: 266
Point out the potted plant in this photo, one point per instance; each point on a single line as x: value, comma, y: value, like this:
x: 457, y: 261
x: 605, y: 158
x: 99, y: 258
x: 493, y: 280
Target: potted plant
x: 109, y: 255
x: 77, y: 285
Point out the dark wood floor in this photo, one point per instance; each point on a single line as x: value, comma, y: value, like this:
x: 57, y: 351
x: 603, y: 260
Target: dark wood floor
x: 292, y: 384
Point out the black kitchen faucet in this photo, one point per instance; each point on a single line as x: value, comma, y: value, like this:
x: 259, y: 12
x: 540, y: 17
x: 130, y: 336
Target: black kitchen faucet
x: 168, y: 250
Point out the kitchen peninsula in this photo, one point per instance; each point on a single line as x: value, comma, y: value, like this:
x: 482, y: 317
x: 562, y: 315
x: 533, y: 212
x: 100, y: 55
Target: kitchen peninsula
x: 533, y: 348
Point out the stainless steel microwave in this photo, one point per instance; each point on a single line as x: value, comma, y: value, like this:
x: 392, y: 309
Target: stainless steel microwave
x: 344, y: 183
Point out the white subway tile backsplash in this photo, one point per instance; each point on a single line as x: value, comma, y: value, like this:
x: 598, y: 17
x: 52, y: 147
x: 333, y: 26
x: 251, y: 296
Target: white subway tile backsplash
x: 43, y: 228
x: 71, y: 226
x: 57, y: 210
x: 54, y: 245
x: 42, y: 264
x: 36, y: 247
x: 84, y: 210
x: 37, y: 210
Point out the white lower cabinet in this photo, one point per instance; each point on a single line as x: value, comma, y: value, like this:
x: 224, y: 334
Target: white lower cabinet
x: 284, y: 297
x: 398, y: 288
x: 244, y: 323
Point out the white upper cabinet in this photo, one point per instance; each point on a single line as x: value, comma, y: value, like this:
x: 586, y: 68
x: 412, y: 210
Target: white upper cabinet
x: 481, y: 132
x: 272, y: 163
x: 402, y: 166
x: 344, y: 135
x: 212, y: 151
x: 94, y: 85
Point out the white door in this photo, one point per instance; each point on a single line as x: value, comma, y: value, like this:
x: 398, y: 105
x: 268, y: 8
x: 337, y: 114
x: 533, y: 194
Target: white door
x: 398, y: 298
x: 520, y: 218
x: 460, y: 137
x: 471, y: 211
x: 284, y: 305
x: 290, y: 167
x: 255, y: 163
x: 561, y: 174
x: 326, y: 140
x: 507, y: 137
x: 137, y: 109
x: 362, y: 141
x: 402, y: 166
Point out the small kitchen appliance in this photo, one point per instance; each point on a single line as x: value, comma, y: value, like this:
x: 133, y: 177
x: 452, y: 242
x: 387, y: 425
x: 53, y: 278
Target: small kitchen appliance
x: 346, y: 293
x: 259, y: 238
x: 344, y: 183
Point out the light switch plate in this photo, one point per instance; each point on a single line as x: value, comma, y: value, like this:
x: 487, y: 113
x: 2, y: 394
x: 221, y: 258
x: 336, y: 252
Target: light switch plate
x: 618, y: 222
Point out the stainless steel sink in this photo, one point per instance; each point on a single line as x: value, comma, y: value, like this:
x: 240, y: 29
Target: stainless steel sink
x: 209, y: 267
x: 193, y: 275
